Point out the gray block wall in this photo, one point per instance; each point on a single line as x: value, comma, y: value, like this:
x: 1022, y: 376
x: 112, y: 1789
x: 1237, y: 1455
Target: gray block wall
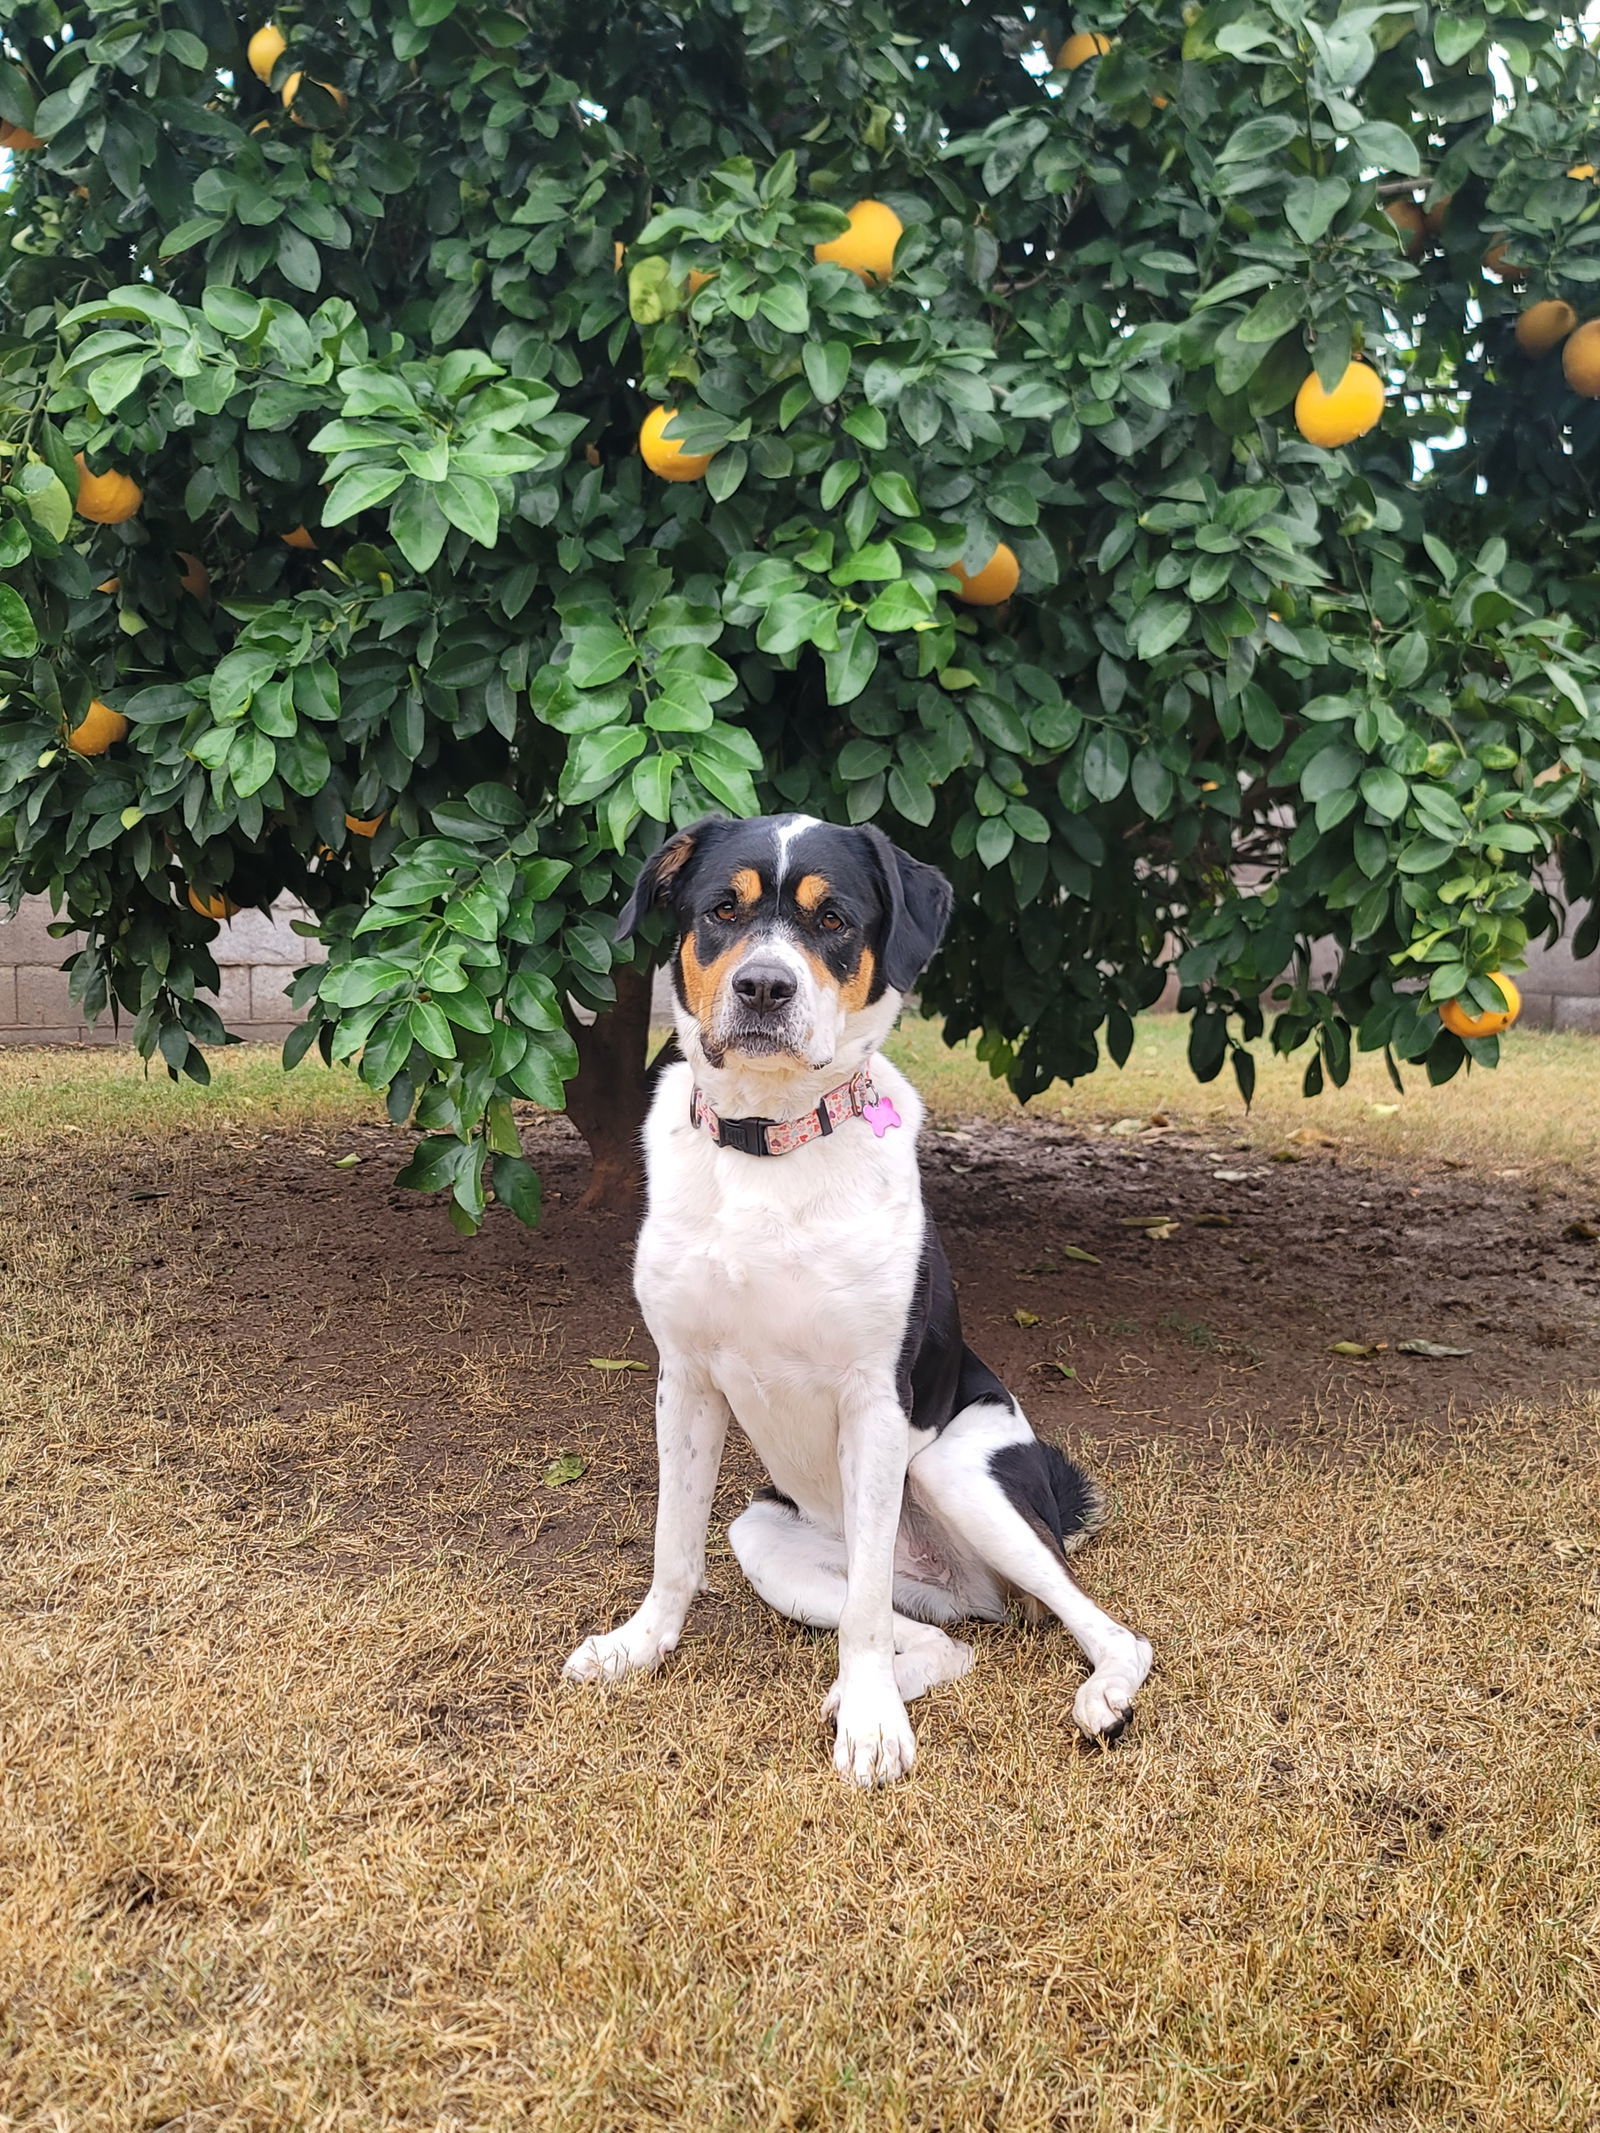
x: 256, y: 957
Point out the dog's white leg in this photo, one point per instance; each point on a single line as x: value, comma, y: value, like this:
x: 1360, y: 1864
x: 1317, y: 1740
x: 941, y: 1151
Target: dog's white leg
x: 988, y: 1478
x: 873, y: 1742
x: 798, y: 1569
x: 691, y: 1428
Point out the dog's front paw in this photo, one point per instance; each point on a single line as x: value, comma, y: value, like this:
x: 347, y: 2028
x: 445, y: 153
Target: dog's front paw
x: 630, y: 1650
x: 873, y: 1741
x: 1103, y: 1707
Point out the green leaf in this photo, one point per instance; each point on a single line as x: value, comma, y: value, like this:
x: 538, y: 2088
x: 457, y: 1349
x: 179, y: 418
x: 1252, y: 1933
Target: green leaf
x: 359, y: 490
x: 600, y: 655
x: 516, y: 1185
x: 1310, y: 205
x: 431, y: 1030
x: 895, y: 494
x: 827, y: 366
x: 18, y: 637
x: 847, y: 671
x: 418, y: 525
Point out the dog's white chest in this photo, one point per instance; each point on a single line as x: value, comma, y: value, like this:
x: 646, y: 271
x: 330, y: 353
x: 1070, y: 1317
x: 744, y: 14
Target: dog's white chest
x: 779, y: 1276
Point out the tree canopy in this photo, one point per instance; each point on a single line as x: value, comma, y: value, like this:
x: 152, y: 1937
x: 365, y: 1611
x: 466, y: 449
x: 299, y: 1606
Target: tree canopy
x: 369, y: 314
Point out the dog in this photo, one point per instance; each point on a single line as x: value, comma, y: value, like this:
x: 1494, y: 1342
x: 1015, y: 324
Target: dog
x: 793, y: 1281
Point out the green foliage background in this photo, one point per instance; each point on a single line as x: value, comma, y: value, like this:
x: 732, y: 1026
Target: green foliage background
x: 1251, y: 694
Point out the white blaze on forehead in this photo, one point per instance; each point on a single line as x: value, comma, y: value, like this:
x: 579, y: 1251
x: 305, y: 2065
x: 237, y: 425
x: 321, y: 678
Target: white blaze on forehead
x: 789, y: 828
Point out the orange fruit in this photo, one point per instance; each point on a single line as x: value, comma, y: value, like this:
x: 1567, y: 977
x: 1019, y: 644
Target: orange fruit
x: 1434, y: 217
x: 1581, y: 170
x: 196, y: 579
x: 617, y: 251
x: 1339, y: 417
x: 1543, y: 326
x: 867, y: 246
x: 214, y: 906
x: 265, y: 49
x: 106, y: 499
x: 1492, y: 1021
x: 99, y: 728
x: 359, y: 828
x: 698, y: 277
x: 17, y: 136
x: 299, y: 538
x: 996, y: 581
x: 1412, y: 224
x: 665, y: 455
x: 1080, y: 48
x: 291, y: 89
x: 111, y: 585
x: 1580, y: 360
x: 1496, y: 263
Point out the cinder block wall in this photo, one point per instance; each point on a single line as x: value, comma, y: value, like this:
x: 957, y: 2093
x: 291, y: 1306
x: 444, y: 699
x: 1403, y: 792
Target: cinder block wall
x: 257, y: 957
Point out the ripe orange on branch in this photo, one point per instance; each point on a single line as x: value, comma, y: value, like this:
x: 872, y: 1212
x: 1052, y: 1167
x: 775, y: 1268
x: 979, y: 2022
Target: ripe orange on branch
x: 360, y: 826
x: 291, y: 90
x: 99, y: 728
x: 1543, y: 326
x: 1412, y: 224
x: 17, y: 136
x: 1580, y: 360
x: 665, y: 455
x: 867, y: 246
x: 214, y: 906
x: 996, y: 582
x: 1080, y: 48
x: 106, y: 499
x: 264, y: 50
x: 1456, y: 1016
x: 1339, y: 417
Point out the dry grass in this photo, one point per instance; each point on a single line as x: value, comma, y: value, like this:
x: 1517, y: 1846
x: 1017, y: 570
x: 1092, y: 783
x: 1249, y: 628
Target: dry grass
x: 291, y: 1840
x: 1537, y: 1107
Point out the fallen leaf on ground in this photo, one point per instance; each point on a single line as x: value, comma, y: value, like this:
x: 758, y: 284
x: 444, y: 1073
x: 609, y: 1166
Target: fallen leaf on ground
x: 1025, y: 1318
x: 1147, y: 1221
x: 1383, y: 1110
x: 1076, y: 1251
x: 1433, y: 1348
x: 569, y: 1467
x: 1066, y: 1369
x: 615, y: 1362
x: 345, y: 1162
x: 1313, y: 1137
x: 1212, y: 1221
x: 1159, y: 1118
x: 149, y: 1196
x: 1126, y: 1126
x: 1230, y: 1177
x: 1360, y: 1351
x: 1159, y: 1232
x: 1581, y: 1232
x: 1286, y: 1155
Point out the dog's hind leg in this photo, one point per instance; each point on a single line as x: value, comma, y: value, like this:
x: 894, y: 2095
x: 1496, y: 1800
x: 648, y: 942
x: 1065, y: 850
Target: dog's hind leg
x: 798, y: 1569
x: 1019, y: 1506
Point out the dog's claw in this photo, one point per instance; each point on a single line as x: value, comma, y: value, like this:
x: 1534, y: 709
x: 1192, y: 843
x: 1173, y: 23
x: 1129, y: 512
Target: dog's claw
x: 1103, y: 1707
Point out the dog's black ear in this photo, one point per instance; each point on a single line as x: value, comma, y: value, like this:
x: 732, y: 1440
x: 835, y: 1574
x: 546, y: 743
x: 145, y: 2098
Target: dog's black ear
x: 659, y: 872
x: 920, y: 903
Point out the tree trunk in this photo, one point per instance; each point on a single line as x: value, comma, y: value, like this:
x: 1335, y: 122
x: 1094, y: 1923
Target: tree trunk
x: 608, y: 1100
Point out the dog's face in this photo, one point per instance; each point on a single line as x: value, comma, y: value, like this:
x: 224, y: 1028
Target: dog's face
x: 796, y: 938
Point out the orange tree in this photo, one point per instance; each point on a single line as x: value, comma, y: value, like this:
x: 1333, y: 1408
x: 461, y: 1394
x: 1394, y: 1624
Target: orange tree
x: 1034, y: 509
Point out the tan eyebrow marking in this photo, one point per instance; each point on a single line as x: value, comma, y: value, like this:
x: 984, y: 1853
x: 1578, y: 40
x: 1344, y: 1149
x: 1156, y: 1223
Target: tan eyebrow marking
x: 746, y: 885
x: 809, y: 891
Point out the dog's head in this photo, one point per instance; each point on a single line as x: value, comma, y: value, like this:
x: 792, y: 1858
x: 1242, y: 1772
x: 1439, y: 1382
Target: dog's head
x: 796, y: 938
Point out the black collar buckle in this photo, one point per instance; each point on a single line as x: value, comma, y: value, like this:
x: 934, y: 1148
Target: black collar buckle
x: 748, y: 1135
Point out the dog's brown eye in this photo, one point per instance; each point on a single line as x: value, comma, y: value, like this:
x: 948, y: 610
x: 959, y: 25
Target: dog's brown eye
x: 726, y: 911
x: 832, y: 922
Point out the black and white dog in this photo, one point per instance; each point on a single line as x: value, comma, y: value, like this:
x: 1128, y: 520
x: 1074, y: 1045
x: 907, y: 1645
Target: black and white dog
x: 792, y: 1280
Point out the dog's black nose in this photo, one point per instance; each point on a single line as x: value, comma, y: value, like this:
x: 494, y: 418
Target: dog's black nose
x: 764, y: 986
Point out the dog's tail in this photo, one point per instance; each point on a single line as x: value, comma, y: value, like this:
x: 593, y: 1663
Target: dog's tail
x: 1079, y: 1499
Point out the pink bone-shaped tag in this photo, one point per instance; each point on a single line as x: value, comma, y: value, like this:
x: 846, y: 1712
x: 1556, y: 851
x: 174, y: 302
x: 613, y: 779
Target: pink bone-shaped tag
x: 880, y: 1115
